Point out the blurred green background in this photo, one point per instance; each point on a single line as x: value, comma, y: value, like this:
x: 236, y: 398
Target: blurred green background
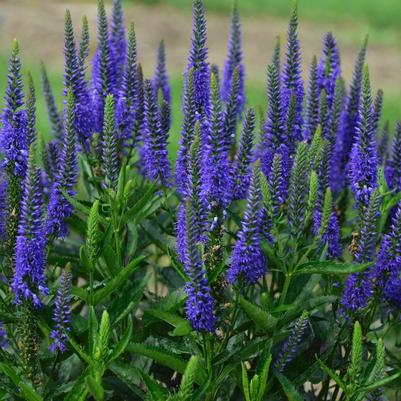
x: 38, y: 25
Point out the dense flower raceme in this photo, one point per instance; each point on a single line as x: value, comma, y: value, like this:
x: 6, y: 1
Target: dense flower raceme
x: 243, y: 221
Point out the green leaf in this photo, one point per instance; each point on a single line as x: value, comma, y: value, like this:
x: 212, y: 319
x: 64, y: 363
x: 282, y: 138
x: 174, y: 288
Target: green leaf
x: 80, y: 390
x: 263, y: 377
x: 92, y: 331
x: 187, y: 381
x: 129, y: 375
x: 381, y: 383
x: 165, y: 358
x: 330, y: 267
x: 118, y: 281
x: 333, y: 375
x: 245, y: 382
x: 122, y: 344
x: 155, y: 390
x: 182, y: 326
x: 92, y: 236
x: 260, y: 317
x: 81, y: 207
x: 289, y: 389
x: 79, y: 350
x: 29, y: 393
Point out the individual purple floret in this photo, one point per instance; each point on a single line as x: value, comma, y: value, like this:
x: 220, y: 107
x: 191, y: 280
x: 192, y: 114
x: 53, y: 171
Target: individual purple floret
x: 292, y: 77
x: 233, y: 61
x: 155, y: 155
x: 30, y: 254
x: 59, y: 208
x: 363, y: 162
x: 13, y: 139
x: 292, y: 343
x: 248, y: 261
x: 62, y: 314
x: 200, y: 303
x: 160, y: 78
x: 241, y: 170
x: 198, y: 59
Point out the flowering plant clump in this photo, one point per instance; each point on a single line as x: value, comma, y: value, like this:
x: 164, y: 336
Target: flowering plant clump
x: 264, y: 265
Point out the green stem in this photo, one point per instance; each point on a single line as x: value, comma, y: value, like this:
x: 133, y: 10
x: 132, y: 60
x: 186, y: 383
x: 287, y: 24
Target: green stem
x: 285, y: 288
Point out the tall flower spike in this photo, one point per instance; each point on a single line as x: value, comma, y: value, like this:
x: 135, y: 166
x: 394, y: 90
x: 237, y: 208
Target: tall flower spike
x: 74, y: 78
x: 275, y: 124
x: 104, y: 72
x: 62, y: 313
x: 241, y: 170
x: 29, y: 275
x: 276, y: 57
x: 160, y: 78
x: 55, y: 119
x: 109, y: 147
x: 382, y: 146
x: 292, y: 79
x: 127, y: 104
x: 14, y: 141
x: 187, y: 132
x: 387, y: 267
x: 350, y: 114
x: 59, y: 208
x: 278, y: 178
x: 140, y: 106
x: 234, y: 61
x: 117, y: 38
x: 290, y: 346
x: 248, y: 261
x: 216, y: 163
x: 312, y: 109
x: 200, y: 303
x: 84, y: 44
x: 363, y: 162
x: 329, y: 68
x: 377, y: 110
x: 193, y: 192
x: 298, y: 188
x: 198, y: 59
x: 156, y: 163
x: 393, y: 166
x: 231, y: 112
x: 31, y: 112
x: 3, y: 206
x: 359, y: 286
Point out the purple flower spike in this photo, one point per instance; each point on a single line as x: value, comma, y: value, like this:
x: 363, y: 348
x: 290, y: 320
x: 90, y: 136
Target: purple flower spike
x: 248, y: 261
x: 200, y: 303
x: 363, y: 162
x: 62, y: 313
x: 30, y: 255
x: 198, y: 59
x: 233, y: 61
x: 292, y: 79
x: 155, y: 155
